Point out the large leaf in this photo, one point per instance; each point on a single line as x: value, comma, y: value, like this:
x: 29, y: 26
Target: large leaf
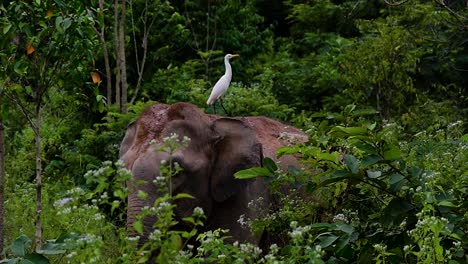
x: 20, y: 245
x: 36, y: 258
x: 270, y: 165
x: 252, y: 173
x: 370, y: 160
x: 327, y: 240
x: 392, y: 152
x: 352, y: 163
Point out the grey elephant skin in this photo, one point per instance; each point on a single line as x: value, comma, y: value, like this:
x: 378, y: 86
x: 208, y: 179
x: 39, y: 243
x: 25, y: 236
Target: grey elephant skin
x: 219, y: 147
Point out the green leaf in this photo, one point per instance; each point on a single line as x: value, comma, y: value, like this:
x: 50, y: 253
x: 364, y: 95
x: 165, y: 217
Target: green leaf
x: 345, y: 228
x: 20, y: 245
x: 58, y: 21
x: 270, y: 164
x: 37, y: 258
x: 394, y: 178
x: 183, y: 196
x: 352, y: 163
x: 138, y: 226
x: 252, y: 173
x: 373, y: 174
x: 326, y: 241
x: 66, y: 23
x: 10, y: 261
x: 392, y: 153
x: 6, y: 28
x: 142, y: 195
x: 446, y: 203
x: 349, y: 108
x: 371, y: 126
x: 370, y: 160
x: 333, y: 157
x: 66, y: 236
x: 350, y: 131
x: 287, y: 150
x: 51, y: 249
x: 343, y: 242
x: 347, y: 176
x: 20, y: 68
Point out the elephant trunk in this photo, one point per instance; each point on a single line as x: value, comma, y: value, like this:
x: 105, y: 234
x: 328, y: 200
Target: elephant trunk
x: 135, y: 206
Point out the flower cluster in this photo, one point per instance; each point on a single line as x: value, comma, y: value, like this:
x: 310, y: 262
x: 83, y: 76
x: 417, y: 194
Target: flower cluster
x: 298, y: 232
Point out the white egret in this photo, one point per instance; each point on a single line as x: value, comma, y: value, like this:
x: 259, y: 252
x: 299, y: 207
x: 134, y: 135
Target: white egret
x: 222, y: 84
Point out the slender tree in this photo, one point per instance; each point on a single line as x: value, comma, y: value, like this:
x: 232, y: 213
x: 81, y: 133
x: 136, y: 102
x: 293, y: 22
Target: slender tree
x: 2, y: 183
x: 121, y: 56
x: 53, y: 46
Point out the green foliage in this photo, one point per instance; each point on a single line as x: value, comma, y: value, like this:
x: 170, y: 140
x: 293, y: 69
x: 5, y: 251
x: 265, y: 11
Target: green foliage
x: 410, y: 194
x: 384, y: 185
x: 255, y: 100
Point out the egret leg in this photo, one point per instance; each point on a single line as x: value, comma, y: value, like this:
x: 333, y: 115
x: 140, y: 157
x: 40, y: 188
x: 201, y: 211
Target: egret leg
x: 214, y: 107
x: 221, y: 102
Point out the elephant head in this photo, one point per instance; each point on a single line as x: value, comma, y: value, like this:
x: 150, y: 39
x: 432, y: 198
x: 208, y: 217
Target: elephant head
x: 218, y: 148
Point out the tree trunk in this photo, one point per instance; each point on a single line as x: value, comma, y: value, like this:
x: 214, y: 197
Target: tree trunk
x: 37, y: 130
x: 2, y: 184
x: 123, y: 63
x: 117, y: 49
x: 106, y: 58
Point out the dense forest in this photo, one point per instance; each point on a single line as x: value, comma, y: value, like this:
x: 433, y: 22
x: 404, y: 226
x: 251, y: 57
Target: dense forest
x: 380, y: 88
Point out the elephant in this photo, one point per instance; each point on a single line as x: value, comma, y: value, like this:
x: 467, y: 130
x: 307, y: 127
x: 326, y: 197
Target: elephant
x: 219, y: 147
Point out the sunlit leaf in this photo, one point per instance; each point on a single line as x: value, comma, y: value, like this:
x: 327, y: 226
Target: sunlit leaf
x: 392, y: 153
x: 333, y: 157
x: 182, y: 196
x: 252, y: 173
x: 138, y: 226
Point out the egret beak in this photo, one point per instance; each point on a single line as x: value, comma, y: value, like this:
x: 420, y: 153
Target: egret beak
x: 235, y: 55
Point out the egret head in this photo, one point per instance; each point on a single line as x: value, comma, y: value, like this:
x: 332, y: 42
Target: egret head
x: 230, y: 56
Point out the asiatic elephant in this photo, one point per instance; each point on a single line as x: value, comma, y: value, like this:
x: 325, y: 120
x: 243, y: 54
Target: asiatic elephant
x: 218, y: 148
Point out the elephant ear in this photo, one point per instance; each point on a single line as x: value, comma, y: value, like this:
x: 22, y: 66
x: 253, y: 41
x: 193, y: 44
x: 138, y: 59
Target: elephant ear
x: 237, y: 149
x: 128, y: 139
